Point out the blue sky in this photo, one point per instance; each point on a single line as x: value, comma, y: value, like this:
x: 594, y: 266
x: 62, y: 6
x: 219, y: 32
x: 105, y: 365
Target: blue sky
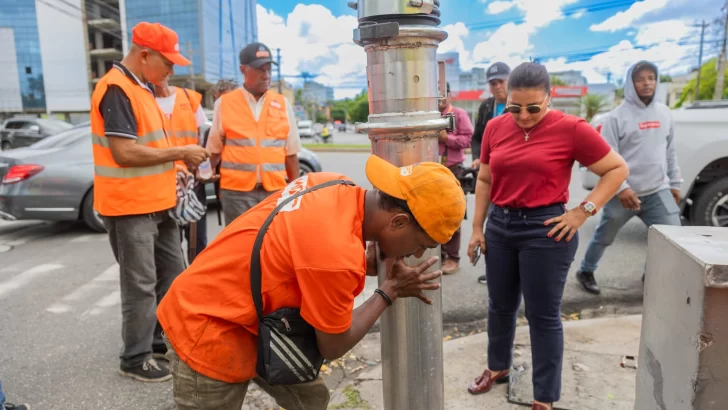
x: 601, y: 38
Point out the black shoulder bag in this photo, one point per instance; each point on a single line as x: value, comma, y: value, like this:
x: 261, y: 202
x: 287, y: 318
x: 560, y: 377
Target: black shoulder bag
x: 287, y: 349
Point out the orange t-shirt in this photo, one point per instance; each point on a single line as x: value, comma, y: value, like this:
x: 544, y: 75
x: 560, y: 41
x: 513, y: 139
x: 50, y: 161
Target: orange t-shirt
x: 312, y: 258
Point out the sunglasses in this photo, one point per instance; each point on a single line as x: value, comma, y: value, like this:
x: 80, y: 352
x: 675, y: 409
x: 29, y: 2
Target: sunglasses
x: 531, y: 108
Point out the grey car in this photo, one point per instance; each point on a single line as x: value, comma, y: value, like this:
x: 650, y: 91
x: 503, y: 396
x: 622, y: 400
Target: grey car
x: 53, y: 179
x: 22, y: 132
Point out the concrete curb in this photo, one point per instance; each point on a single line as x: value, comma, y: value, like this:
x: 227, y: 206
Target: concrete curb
x: 478, y: 321
x: 365, y: 149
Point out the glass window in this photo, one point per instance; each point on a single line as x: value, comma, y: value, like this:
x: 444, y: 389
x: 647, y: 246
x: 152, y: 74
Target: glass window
x: 66, y: 138
x: 54, y: 126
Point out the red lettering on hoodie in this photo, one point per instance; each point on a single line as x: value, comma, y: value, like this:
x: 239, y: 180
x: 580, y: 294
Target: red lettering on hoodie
x: 649, y: 124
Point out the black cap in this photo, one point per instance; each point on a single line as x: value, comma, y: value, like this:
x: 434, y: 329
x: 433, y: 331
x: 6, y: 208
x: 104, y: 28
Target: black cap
x: 256, y: 55
x: 498, y: 71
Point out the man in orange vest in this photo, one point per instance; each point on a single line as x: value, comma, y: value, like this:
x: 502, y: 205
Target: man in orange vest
x: 255, y: 137
x: 135, y: 186
x: 209, y: 316
x: 185, y: 117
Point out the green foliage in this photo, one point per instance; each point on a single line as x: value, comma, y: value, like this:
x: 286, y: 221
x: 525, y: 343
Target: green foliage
x: 665, y: 78
x: 593, y: 104
x: 321, y: 117
x: 708, y: 78
x: 556, y: 81
x: 358, y: 108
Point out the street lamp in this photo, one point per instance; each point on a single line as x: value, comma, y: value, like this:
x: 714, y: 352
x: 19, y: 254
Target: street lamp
x: 401, y: 39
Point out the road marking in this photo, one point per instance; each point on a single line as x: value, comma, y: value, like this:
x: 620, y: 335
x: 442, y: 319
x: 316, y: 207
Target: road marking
x: 112, y: 299
x: 25, y: 234
x: 111, y: 274
x: 26, y: 277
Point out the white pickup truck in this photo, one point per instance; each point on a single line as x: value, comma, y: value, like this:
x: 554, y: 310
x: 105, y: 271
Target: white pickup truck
x: 701, y: 137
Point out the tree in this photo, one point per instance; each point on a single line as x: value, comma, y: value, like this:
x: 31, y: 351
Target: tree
x: 665, y: 78
x: 359, y: 108
x: 557, y: 81
x: 321, y: 117
x: 708, y: 78
x: 593, y: 104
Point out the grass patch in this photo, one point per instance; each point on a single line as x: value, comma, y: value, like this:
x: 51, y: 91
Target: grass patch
x: 353, y: 400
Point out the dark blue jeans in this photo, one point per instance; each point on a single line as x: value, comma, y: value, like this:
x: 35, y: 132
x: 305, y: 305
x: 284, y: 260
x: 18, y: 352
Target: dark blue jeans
x: 520, y: 258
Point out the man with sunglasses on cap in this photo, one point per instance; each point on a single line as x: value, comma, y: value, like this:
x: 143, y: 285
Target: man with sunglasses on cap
x: 497, y: 76
x: 135, y: 186
x: 209, y: 315
x: 452, y: 155
x: 254, y: 137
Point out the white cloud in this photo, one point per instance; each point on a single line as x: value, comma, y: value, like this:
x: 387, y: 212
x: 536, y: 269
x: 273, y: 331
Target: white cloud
x: 578, y: 14
x: 669, y: 56
x: 312, y: 39
x: 454, y: 42
x: 498, y: 7
x: 670, y: 30
x: 625, y: 19
x: 510, y: 43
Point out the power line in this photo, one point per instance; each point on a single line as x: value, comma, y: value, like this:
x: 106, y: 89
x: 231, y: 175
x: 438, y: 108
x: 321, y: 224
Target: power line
x: 567, y: 11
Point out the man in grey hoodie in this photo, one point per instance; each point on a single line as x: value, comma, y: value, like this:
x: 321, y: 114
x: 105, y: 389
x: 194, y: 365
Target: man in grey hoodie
x: 641, y: 131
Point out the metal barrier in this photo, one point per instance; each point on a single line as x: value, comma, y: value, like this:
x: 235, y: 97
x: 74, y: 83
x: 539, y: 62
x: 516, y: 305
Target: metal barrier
x: 683, y: 358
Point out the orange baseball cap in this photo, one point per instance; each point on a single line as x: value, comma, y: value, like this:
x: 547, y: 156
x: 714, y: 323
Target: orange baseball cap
x: 432, y: 192
x: 157, y: 37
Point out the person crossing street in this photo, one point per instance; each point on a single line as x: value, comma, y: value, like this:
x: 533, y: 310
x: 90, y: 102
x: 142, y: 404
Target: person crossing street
x: 135, y: 187
x: 640, y: 130
x: 254, y: 137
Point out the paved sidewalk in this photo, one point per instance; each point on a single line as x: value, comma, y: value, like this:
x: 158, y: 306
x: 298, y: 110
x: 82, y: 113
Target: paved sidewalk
x: 592, y: 379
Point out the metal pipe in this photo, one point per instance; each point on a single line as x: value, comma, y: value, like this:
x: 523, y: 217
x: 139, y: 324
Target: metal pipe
x: 401, y: 38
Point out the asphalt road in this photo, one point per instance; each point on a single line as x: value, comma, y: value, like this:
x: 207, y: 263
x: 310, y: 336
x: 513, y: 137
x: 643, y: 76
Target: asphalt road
x: 60, y: 313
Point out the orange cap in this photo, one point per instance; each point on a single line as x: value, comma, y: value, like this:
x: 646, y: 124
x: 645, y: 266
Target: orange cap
x: 157, y: 37
x: 432, y: 192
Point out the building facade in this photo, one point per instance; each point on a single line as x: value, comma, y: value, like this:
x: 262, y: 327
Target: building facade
x: 317, y: 93
x: 54, y: 52
x: 43, y: 63
x: 452, y: 69
x: 211, y: 34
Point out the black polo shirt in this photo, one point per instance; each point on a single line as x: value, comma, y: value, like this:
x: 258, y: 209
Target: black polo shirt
x: 116, y: 110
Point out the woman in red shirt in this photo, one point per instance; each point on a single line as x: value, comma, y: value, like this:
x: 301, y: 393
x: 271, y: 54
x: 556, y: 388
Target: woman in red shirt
x: 526, y: 163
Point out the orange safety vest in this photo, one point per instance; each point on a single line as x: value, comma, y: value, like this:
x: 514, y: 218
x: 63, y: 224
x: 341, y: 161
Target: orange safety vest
x: 251, y: 147
x: 131, y: 190
x: 183, y: 125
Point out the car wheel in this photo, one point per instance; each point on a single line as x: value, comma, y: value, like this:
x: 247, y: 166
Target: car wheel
x: 304, y: 168
x: 5, y: 146
x: 91, y: 218
x: 711, y: 205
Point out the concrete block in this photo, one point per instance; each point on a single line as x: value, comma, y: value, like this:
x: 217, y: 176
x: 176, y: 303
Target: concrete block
x: 683, y: 358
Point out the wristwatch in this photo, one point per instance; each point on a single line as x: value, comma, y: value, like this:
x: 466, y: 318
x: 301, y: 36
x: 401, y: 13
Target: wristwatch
x: 589, y: 208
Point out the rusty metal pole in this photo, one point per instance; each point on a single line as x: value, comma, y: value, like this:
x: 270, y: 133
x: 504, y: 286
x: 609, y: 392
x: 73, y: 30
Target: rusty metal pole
x: 401, y: 38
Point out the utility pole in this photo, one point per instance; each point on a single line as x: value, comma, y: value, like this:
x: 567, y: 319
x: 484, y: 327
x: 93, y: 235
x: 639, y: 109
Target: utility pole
x: 280, y: 80
x: 702, y: 26
x: 191, y: 84
x: 718, y: 94
x: 400, y: 39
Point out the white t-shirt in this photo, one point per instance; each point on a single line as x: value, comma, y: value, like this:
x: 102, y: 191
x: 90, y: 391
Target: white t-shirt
x: 166, y: 104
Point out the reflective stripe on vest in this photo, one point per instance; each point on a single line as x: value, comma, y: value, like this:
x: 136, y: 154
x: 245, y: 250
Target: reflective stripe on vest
x: 131, y: 190
x: 132, y: 172
x: 253, y: 149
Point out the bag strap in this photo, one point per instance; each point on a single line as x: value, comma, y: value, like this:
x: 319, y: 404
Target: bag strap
x: 255, y: 269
